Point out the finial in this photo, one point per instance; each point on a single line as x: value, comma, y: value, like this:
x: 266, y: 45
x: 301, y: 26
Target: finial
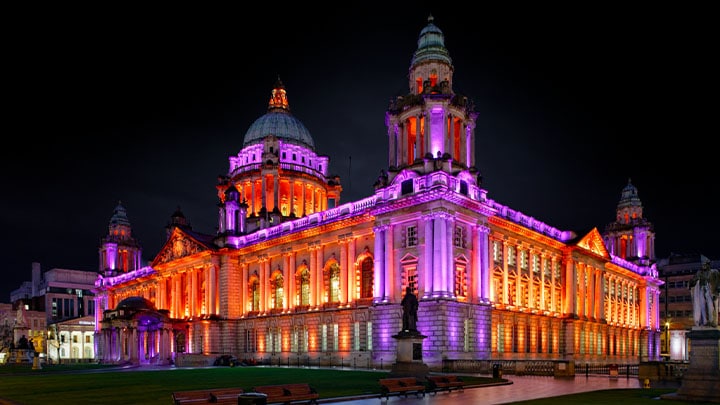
x: 430, y: 19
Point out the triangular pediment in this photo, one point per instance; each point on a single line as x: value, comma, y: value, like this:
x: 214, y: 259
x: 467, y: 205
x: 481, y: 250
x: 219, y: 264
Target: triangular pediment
x: 178, y: 245
x: 594, y: 243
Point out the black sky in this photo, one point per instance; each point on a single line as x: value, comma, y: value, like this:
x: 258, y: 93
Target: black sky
x: 146, y: 107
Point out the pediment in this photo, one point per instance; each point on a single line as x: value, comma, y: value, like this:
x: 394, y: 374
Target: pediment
x: 594, y: 243
x: 179, y: 245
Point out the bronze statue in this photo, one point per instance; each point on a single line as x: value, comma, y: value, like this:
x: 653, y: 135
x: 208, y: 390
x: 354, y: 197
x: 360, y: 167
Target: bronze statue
x: 410, y: 307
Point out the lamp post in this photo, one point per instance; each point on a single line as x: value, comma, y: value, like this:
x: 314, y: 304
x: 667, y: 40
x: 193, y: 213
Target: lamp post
x: 667, y: 338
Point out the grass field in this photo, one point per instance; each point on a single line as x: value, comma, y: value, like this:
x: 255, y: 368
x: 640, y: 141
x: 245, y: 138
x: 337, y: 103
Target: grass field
x: 93, y: 386
x: 96, y: 384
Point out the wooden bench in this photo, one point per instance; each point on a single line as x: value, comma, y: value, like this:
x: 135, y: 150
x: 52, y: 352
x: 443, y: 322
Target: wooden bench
x: 288, y: 393
x: 208, y: 396
x: 445, y: 383
x: 401, y: 385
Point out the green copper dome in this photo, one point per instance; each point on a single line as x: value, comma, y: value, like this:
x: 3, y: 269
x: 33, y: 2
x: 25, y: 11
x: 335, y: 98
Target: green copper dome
x: 431, y: 45
x: 278, y: 121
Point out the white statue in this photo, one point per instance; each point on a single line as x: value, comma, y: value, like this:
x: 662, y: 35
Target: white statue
x: 704, y: 290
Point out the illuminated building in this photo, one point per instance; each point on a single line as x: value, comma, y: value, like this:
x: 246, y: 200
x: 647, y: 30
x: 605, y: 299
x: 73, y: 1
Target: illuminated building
x: 64, y: 298
x: 293, y: 275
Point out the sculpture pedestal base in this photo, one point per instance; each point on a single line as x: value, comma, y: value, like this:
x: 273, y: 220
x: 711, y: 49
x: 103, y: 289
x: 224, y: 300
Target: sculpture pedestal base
x: 701, y: 382
x: 36, y: 363
x: 409, y: 356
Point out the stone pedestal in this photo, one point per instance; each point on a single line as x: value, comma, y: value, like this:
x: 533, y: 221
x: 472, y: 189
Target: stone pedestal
x: 36, y: 362
x: 701, y: 382
x: 409, y: 361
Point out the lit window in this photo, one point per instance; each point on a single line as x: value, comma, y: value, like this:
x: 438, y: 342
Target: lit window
x: 411, y: 236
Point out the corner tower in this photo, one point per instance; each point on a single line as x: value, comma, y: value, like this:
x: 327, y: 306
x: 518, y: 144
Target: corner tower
x: 120, y: 252
x: 431, y: 127
x: 631, y: 236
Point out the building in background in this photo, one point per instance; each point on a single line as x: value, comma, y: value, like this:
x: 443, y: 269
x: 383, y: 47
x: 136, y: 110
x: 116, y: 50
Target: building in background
x: 676, y: 307
x: 293, y: 275
x: 61, y: 297
x: 18, y: 322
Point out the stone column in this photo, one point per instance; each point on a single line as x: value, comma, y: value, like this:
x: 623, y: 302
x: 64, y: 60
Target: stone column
x: 379, y: 264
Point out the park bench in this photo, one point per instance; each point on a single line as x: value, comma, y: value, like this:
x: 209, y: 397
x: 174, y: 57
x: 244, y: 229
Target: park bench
x: 445, y: 383
x: 288, y: 393
x: 401, y: 385
x: 208, y: 396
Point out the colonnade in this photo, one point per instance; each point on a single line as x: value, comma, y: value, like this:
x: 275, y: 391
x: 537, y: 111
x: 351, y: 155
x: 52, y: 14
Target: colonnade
x: 310, y: 197
x: 431, y: 130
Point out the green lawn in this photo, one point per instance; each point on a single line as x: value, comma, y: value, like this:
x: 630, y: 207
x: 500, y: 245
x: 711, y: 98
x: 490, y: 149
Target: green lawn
x: 53, y: 386
x: 86, y: 384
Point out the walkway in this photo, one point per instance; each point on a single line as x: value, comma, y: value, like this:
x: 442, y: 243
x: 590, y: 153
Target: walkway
x: 522, y: 388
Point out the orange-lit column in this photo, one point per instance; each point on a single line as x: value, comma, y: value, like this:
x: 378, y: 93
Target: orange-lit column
x: 319, y: 255
x: 518, y: 277
x: 303, y: 209
x: 264, y: 281
x: 214, y: 296
x: 243, y: 289
x: 292, y: 200
x: 343, y: 271
x: 313, y: 274
x: 352, y: 273
x: 193, y: 288
x: 292, y: 268
x: 581, y: 298
x: 505, y: 286
x: 179, y: 313
x: 287, y: 280
x: 570, y: 286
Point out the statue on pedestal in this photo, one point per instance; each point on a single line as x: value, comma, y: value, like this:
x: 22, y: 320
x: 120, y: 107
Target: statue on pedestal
x: 410, y: 307
x: 704, y: 288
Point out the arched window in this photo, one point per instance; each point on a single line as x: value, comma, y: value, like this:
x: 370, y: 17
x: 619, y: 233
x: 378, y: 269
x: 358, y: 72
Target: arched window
x: 366, y: 278
x: 305, y: 287
x: 276, y: 284
x: 334, y: 283
x: 254, y: 295
x: 460, y: 279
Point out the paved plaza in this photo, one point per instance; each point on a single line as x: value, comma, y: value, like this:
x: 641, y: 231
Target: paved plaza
x: 522, y: 388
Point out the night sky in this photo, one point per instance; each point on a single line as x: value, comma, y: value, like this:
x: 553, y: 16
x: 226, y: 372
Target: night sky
x: 147, y: 107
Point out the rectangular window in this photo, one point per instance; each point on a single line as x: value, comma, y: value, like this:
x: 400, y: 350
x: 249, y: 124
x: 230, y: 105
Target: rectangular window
x: 356, y: 336
x: 87, y: 339
x: 497, y: 252
x: 536, y: 266
x: 294, y: 343
x: 269, y: 340
x: 511, y: 256
x: 336, y: 338
x: 369, y: 336
x: 466, y: 335
x: 501, y: 338
x: 278, y: 341
x: 411, y: 236
x: 323, y: 338
x: 459, y: 240
x: 305, y: 340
